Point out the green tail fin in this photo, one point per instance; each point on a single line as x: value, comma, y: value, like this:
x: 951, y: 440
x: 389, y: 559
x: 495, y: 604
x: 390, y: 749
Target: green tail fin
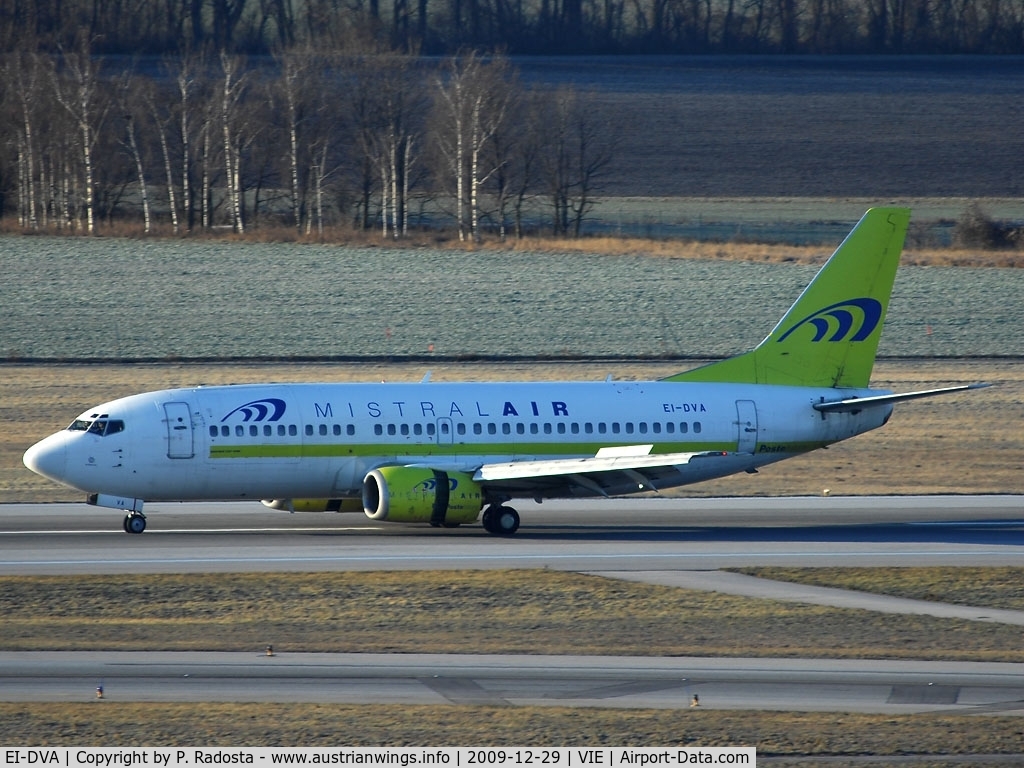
x: 829, y: 337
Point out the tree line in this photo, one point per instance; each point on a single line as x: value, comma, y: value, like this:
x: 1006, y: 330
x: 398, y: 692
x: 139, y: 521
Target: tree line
x: 260, y: 27
x: 380, y: 140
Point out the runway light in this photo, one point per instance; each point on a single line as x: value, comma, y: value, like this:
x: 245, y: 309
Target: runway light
x: 695, y: 701
x: 270, y: 650
x: 99, y: 691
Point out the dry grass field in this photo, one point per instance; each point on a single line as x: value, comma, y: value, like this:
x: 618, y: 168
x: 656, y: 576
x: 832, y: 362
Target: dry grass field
x: 963, y: 443
x: 837, y: 740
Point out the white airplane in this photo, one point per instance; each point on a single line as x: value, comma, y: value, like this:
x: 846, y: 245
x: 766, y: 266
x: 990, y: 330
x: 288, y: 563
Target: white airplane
x: 442, y: 453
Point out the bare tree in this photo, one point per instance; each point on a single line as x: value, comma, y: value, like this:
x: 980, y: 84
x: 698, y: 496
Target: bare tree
x: 23, y: 72
x: 398, y: 106
x: 474, y: 96
x: 231, y: 93
x: 130, y: 103
x: 77, y: 89
x: 578, y: 150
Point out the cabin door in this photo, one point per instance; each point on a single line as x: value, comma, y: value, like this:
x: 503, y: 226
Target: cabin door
x: 746, y: 412
x: 179, y: 431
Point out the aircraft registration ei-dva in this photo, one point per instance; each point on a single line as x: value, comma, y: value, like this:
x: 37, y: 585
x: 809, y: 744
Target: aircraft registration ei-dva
x: 442, y: 453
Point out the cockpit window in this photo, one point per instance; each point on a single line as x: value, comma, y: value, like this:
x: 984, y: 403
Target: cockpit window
x: 101, y: 427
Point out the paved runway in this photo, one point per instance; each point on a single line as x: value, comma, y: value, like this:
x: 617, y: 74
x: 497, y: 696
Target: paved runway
x: 601, y: 535
x: 739, y: 683
x: 681, y: 542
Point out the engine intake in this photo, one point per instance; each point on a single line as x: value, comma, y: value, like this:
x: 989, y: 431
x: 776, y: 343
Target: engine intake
x: 420, y: 495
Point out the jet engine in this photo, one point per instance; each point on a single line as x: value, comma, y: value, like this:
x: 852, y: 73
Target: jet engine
x: 420, y: 495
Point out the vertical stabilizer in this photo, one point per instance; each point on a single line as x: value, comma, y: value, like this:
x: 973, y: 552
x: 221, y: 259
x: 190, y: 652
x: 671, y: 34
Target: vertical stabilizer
x: 829, y: 337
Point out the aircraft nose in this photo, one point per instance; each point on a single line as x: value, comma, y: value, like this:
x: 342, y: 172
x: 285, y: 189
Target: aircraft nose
x: 48, y: 457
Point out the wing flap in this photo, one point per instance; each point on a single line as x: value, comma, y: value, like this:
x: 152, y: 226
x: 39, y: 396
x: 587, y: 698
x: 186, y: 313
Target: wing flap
x: 605, y: 475
x: 518, y: 470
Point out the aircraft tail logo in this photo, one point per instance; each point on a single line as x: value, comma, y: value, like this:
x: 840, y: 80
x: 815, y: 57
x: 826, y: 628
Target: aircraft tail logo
x: 842, y: 318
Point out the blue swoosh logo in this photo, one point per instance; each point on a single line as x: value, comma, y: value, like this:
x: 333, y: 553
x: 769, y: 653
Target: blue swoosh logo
x: 268, y: 409
x: 840, y: 320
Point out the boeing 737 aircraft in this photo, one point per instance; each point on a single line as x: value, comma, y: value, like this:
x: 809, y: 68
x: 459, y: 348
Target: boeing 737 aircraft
x: 442, y: 453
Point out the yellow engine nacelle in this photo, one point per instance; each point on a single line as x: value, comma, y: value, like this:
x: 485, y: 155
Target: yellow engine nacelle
x: 418, y: 495
x: 315, y: 505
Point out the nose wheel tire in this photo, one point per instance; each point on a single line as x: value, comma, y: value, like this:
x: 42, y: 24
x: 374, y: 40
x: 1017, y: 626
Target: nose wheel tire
x: 134, y: 522
x: 501, y: 521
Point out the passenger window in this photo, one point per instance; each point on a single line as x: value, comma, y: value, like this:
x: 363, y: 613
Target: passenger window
x: 323, y: 429
x: 350, y: 429
x: 267, y: 430
x: 696, y: 427
x: 670, y: 428
x: 336, y: 429
x: 417, y: 429
x: 445, y: 429
x: 391, y: 429
x: 506, y: 428
x: 431, y: 429
x: 642, y: 427
x: 574, y: 428
x: 547, y: 428
x: 615, y: 427
x: 492, y: 428
x: 656, y: 427
x: 254, y: 431
x: 602, y: 428
x: 239, y: 431
x: 588, y: 428
x: 460, y: 428
x: 225, y: 431
x: 280, y: 430
x: 213, y: 431
x: 378, y: 429
x: 683, y: 428
x: 309, y: 429
x: 404, y: 429
x: 561, y: 427
x: 534, y: 428
x: 520, y: 428
x: 478, y: 429
x: 629, y: 427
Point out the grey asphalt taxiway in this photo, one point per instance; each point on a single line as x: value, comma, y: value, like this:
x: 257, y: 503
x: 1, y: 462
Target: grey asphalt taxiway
x: 670, y: 541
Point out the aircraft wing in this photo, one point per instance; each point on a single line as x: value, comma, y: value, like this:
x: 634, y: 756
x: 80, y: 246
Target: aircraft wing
x: 612, y: 471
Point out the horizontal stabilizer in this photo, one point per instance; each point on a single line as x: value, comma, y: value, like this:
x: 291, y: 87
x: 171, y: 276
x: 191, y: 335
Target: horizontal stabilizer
x: 860, y: 403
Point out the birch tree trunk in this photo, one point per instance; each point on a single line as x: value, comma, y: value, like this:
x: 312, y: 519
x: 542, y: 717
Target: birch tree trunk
x: 133, y: 146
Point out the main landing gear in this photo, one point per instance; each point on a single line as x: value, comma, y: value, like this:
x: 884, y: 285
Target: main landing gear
x: 500, y: 520
x: 134, y: 522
